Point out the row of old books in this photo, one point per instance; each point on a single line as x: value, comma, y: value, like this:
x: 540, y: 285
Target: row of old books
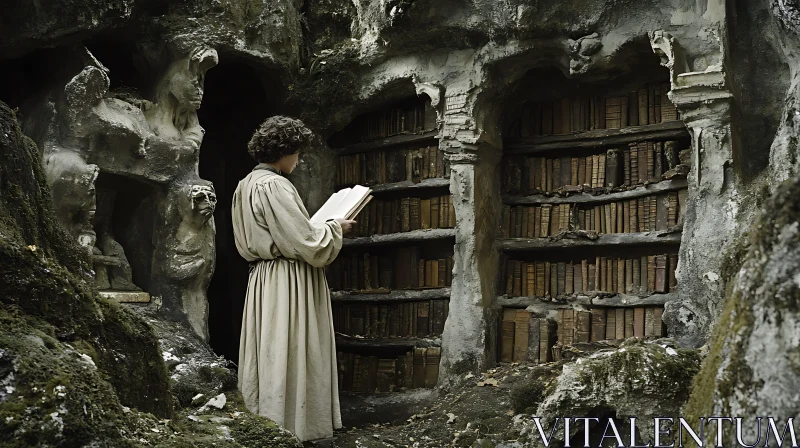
x: 642, y: 275
x: 646, y: 214
x: 418, y: 368
x: 401, y: 268
x: 388, y: 122
x: 389, y: 166
x: 406, y: 214
x: 648, y: 105
x: 378, y: 320
x: 525, y: 336
x: 639, y: 163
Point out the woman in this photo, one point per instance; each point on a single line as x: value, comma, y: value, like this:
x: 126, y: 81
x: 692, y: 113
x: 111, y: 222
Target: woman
x: 287, y: 352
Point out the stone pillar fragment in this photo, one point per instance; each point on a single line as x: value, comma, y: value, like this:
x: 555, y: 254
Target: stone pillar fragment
x: 712, y: 210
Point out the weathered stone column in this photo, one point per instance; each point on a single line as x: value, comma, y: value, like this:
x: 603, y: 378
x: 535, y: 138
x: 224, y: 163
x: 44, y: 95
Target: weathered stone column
x: 712, y: 210
x: 469, y: 336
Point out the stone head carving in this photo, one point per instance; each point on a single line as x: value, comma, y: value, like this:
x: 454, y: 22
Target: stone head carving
x: 670, y: 53
x: 581, y: 52
x: 203, y: 200
x: 178, y: 96
x: 72, y: 181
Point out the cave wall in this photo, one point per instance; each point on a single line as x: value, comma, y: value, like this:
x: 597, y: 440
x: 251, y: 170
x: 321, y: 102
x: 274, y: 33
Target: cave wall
x: 326, y: 61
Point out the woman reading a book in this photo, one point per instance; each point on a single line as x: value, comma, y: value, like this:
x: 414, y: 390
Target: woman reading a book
x: 287, y: 353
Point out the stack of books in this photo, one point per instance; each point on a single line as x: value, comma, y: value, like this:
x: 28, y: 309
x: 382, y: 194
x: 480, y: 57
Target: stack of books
x: 645, y: 214
x: 647, y: 105
x: 399, y: 119
x: 615, y: 169
x: 418, y: 368
x: 525, y: 336
x: 640, y: 276
x: 392, y: 165
x: 393, y: 320
x: 406, y: 214
x: 401, y: 268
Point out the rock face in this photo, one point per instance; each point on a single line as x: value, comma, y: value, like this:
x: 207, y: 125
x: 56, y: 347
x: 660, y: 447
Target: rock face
x: 77, y: 370
x: 68, y: 357
x: 753, y: 353
x: 122, y: 142
x: 111, y: 91
x: 644, y: 380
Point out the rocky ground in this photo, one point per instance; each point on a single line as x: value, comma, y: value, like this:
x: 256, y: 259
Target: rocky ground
x: 634, y: 377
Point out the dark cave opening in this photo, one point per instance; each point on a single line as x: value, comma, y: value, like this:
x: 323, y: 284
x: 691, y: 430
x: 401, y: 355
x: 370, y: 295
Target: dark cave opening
x: 127, y: 207
x: 234, y: 104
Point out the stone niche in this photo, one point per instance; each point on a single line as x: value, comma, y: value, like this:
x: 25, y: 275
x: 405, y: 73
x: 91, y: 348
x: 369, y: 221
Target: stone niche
x: 123, y: 163
x: 123, y: 225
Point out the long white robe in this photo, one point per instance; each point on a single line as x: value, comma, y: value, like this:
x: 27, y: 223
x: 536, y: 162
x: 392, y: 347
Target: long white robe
x: 287, y: 353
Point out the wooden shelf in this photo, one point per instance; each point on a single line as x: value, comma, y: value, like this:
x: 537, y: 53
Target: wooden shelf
x: 670, y: 130
x: 402, y: 237
x: 615, y: 301
x: 406, y: 185
x: 343, y: 341
x: 609, y: 239
x: 389, y: 142
x: 398, y: 295
x: 584, y: 198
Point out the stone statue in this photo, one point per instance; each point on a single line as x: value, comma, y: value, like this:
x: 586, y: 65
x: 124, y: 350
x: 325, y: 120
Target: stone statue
x: 155, y: 142
x: 72, y: 181
x: 178, y: 96
x: 111, y: 266
x: 98, y: 122
x: 191, y: 254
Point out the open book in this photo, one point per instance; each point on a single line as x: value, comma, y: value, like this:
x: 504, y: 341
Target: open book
x: 345, y: 203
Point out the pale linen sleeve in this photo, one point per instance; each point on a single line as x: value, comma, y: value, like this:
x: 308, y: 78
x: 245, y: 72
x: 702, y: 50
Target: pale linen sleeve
x: 296, y: 236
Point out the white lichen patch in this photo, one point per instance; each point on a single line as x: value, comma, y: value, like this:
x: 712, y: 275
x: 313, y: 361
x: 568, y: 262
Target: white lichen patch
x: 87, y: 360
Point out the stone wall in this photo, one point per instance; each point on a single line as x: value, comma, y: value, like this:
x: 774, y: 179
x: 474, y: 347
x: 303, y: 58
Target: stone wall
x: 471, y: 57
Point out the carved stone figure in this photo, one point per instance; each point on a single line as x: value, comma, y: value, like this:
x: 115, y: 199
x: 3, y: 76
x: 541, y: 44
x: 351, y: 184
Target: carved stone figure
x: 191, y: 254
x: 104, y: 123
x: 73, y: 183
x: 155, y: 142
x: 581, y: 52
x: 174, y: 115
x: 111, y: 266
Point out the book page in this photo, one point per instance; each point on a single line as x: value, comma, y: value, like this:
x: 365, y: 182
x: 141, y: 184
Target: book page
x: 351, y: 201
x: 330, y: 206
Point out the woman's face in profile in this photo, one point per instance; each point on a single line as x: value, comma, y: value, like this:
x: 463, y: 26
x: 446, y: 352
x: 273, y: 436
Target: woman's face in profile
x: 289, y: 163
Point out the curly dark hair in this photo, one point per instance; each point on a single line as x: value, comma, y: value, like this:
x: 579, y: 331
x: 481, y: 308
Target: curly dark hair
x: 278, y: 136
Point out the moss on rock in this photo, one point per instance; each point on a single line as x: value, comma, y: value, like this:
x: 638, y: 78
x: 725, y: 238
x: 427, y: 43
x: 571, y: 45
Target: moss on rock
x: 758, y: 322
x: 54, y: 323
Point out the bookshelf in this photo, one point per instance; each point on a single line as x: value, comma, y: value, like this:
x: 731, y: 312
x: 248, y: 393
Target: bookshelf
x: 594, y: 195
x: 391, y: 283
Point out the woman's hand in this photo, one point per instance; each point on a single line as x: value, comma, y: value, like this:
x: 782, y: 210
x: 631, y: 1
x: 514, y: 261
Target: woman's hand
x: 347, y: 225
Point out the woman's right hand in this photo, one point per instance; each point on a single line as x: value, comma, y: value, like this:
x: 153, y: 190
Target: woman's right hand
x: 347, y: 225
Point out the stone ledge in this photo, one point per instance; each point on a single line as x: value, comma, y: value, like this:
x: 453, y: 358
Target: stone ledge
x: 351, y: 341
x: 406, y: 185
x: 670, y: 130
x: 402, y: 237
x: 384, y: 143
x: 583, y: 198
x: 616, y: 301
x: 397, y: 295
x: 608, y: 239
x: 126, y: 296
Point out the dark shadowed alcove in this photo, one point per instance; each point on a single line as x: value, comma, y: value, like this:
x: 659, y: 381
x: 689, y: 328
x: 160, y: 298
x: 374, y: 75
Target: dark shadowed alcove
x: 235, y: 103
x: 126, y: 212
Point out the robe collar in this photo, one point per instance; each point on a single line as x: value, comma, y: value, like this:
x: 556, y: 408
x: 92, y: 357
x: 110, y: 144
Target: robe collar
x: 264, y: 166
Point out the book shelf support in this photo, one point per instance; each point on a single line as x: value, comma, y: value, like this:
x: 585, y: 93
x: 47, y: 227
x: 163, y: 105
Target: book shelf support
x: 469, y: 329
x: 712, y: 220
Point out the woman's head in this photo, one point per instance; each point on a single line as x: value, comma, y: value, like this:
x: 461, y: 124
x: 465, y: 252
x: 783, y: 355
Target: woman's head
x: 278, y: 141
